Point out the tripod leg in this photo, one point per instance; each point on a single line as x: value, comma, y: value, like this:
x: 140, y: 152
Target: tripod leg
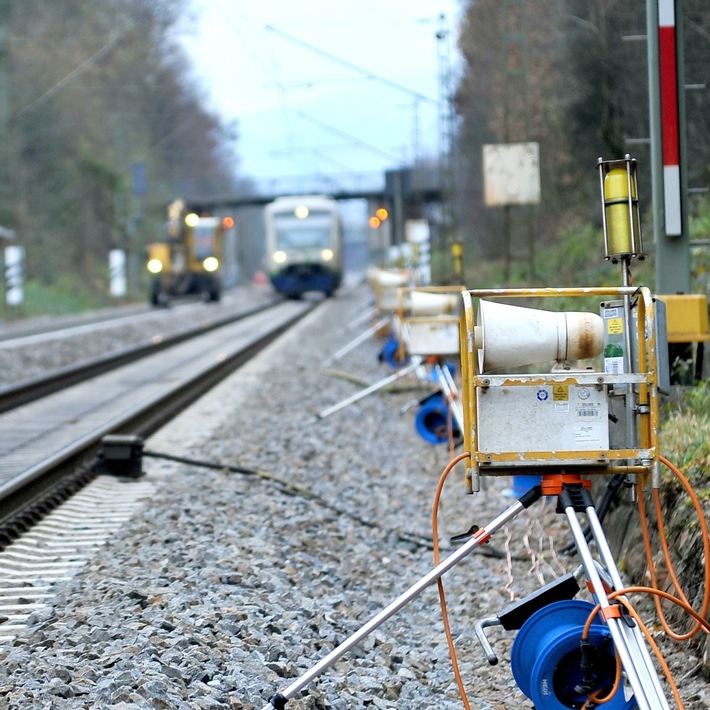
x: 634, y: 654
x: 480, y: 538
x: 356, y: 341
x: 416, y: 362
x: 635, y: 635
x: 448, y: 387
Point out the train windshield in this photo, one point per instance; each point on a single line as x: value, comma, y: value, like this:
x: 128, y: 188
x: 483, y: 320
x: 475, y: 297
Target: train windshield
x: 204, y: 236
x: 313, y: 232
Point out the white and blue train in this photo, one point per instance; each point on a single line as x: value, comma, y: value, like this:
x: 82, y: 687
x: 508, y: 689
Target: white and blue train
x: 304, y: 250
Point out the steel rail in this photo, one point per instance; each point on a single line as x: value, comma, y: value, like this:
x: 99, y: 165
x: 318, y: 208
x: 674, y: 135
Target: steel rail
x: 34, y: 388
x: 23, y: 496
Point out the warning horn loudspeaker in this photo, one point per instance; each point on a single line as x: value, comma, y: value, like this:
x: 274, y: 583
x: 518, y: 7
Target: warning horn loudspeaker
x: 513, y: 336
x: 423, y: 303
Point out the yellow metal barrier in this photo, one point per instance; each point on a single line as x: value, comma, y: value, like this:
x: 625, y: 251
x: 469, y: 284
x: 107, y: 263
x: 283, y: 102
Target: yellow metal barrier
x: 687, y: 316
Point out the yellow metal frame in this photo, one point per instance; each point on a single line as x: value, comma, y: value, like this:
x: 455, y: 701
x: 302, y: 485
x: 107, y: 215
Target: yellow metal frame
x: 644, y: 380
x: 408, y: 319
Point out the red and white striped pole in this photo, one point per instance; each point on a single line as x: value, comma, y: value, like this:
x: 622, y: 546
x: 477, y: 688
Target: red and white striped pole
x: 670, y: 123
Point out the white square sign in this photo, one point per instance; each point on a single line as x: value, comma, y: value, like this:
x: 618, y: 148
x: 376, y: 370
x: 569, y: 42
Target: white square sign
x: 511, y: 174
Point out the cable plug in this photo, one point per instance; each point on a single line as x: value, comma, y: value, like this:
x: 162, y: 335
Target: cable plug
x: 586, y: 665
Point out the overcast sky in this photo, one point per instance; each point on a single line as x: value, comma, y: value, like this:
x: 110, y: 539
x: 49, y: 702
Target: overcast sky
x: 322, y: 86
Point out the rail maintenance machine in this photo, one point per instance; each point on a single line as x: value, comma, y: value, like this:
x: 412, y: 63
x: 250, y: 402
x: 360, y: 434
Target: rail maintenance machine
x: 564, y: 397
x: 188, y: 260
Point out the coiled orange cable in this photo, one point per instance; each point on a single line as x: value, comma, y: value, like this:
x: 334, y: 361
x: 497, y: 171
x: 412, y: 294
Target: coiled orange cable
x: 666, y: 552
x: 620, y: 595
x: 658, y: 594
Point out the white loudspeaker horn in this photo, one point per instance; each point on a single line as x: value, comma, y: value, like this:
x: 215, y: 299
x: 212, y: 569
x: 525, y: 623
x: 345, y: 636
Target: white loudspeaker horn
x: 424, y: 303
x: 513, y: 336
x: 387, y: 279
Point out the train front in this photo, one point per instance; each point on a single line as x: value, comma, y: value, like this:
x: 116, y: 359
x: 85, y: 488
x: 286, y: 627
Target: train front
x: 304, y: 246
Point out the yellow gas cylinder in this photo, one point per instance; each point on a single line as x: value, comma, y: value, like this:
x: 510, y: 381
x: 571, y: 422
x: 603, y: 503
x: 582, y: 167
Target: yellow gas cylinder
x: 623, y: 229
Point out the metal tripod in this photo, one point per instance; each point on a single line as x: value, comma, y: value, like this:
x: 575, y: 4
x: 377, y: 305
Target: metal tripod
x: 627, y: 637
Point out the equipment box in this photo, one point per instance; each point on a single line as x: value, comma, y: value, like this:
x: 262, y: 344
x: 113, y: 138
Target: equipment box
x: 551, y: 417
x: 433, y: 337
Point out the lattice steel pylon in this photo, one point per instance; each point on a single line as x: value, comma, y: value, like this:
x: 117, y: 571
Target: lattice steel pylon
x: 446, y: 132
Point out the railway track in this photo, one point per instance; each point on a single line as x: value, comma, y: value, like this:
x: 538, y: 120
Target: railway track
x: 51, y: 427
x: 33, y: 388
x: 55, y: 508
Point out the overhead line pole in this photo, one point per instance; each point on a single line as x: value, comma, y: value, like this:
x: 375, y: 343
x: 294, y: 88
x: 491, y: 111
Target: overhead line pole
x: 666, y: 77
x: 446, y: 227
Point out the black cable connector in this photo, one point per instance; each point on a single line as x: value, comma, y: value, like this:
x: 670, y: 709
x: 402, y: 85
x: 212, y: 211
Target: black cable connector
x: 278, y: 701
x: 586, y: 665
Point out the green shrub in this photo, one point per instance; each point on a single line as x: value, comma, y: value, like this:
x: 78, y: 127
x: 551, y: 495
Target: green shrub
x: 685, y: 436
x: 66, y: 295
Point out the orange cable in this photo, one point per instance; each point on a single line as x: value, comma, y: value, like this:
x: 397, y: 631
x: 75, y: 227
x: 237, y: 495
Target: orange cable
x: 657, y: 593
x: 655, y: 494
x: 617, y: 677
x: 439, y: 582
x: 619, y: 594
x: 656, y: 650
x: 704, y: 531
x: 666, y: 553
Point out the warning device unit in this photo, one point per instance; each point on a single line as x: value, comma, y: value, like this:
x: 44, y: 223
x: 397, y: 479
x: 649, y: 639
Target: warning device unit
x: 545, y: 390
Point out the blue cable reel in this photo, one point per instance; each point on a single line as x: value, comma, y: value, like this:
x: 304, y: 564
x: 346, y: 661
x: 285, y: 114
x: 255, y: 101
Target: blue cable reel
x: 433, y: 418
x: 392, y: 354
x: 547, y: 662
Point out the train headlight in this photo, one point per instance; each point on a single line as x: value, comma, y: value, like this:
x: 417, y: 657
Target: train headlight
x: 155, y: 266
x: 210, y: 263
x: 327, y: 255
x: 279, y: 257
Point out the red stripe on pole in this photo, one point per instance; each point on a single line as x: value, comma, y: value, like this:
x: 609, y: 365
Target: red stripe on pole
x: 669, y: 95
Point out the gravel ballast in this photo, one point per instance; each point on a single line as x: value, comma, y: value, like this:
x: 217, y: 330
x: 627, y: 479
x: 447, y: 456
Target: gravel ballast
x: 226, y: 586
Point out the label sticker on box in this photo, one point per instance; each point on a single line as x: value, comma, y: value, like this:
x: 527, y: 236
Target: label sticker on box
x: 560, y: 393
x: 588, y: 434
x: 615, y: 326
x: 587, y: 410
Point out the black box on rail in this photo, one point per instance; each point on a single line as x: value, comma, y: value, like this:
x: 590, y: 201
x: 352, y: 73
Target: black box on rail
x: 121, y: 455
